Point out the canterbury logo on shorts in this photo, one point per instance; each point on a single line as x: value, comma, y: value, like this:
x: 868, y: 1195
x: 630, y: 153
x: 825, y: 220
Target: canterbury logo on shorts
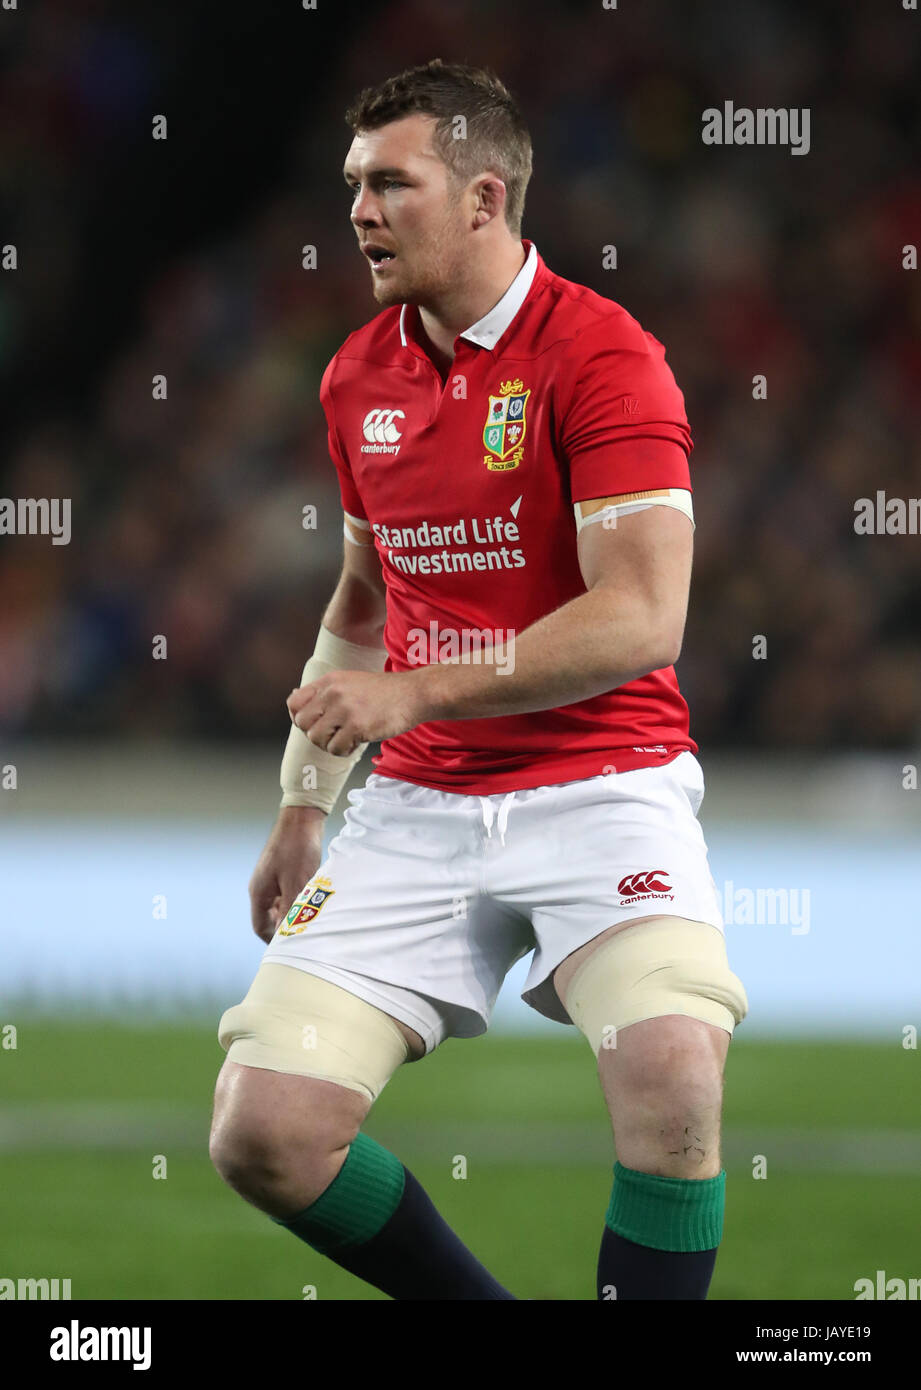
x: 651, y: 883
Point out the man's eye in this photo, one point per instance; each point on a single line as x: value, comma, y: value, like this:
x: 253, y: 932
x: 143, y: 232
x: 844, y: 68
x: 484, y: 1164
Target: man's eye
x: 355, y: 188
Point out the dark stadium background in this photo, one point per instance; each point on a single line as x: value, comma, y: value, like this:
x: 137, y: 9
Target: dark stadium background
x: 182, y: 257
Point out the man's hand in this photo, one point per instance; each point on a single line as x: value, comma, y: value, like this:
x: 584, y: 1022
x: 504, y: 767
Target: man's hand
x: 345, y: 708
x: 291, y: 857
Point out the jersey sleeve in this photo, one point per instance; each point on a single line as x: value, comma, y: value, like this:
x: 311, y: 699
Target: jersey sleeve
x: 623, y: 426
x: 351, y: 502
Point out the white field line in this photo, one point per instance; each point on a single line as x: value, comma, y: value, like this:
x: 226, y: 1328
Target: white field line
x: 163, y: 1128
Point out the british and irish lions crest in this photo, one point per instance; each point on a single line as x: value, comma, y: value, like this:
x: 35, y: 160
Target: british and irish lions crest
x: 306, y: 906
x: 506, y: 425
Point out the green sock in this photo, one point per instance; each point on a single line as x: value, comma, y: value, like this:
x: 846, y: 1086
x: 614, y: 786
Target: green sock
x: 667, y: 1213
x: 377, y: 1222
x: 358, y: 1203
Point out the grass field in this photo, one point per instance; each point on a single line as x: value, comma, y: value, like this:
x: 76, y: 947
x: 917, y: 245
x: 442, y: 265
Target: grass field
x: 86, y: 1108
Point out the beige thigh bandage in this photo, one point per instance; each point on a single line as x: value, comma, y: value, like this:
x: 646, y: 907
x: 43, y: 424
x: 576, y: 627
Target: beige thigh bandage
x: 666, y: 965
x: 292, y: 1021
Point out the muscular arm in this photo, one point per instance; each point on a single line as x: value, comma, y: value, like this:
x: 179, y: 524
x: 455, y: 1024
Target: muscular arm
x: 629, y: 622
x: 357, y: 610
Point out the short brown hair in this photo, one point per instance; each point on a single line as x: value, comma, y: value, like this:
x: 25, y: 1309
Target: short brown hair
x: 497, y: 138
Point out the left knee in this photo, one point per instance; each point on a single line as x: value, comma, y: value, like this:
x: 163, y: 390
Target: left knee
x: 658, y: 1003
x: 672, y: 1056
x: 663, y: 1086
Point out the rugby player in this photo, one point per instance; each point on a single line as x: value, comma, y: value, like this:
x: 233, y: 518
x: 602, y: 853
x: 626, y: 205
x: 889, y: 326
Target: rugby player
x: 512, y: 453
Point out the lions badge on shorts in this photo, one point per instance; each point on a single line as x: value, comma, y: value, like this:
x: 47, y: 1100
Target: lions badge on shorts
x: 306, y: 906
x: 506, y: 425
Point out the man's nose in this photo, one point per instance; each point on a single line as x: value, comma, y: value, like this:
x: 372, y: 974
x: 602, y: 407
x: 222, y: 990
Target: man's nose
x: 365, y: 210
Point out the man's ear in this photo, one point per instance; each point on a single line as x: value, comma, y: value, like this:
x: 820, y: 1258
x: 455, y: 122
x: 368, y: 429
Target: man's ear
x: 490, y: 199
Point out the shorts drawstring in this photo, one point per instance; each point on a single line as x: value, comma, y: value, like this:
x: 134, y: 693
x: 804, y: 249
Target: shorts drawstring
x: 489, y: 814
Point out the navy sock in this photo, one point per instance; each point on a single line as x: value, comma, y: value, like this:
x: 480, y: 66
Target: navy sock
x: 417, y: 1256
x: 637, y: 1271
x: 376, y: 1221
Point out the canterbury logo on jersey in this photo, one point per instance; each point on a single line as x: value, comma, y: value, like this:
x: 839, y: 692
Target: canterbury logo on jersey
x: 380, y: 431
x: 649, y: 883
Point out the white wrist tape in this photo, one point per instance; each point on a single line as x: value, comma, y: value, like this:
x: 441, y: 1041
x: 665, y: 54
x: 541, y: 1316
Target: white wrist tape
x: 309, y: 775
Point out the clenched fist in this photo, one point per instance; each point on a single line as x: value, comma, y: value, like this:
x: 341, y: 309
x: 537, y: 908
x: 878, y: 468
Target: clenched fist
x: 346, y: 708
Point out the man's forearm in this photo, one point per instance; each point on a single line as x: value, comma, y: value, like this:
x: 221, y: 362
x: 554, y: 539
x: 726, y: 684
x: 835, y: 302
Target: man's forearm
x: 356, y: 614
x: 590, y: 645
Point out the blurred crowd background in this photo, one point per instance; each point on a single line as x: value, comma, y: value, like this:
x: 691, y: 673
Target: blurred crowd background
x: 144, y: 782
x: 138, y: 257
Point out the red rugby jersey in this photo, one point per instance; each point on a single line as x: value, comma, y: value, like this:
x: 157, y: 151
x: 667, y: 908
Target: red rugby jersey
x: 556, y: 396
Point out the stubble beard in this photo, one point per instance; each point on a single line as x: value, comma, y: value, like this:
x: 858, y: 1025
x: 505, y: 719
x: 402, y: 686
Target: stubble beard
x: 427, y: 288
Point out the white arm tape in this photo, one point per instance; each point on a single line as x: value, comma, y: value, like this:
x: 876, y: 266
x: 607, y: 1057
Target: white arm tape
x: 596, y: 510
x: 309, y: 775
x: 357, y: 530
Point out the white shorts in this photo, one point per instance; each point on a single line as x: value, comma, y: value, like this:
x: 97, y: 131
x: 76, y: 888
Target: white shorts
x: 426, y: 899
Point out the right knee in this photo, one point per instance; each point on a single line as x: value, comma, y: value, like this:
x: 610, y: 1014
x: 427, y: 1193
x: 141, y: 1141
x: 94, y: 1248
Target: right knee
x: 280, y: 1140
x: 306, y: 1059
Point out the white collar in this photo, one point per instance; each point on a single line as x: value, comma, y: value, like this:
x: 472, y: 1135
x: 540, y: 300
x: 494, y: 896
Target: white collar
x: 487, y: 331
